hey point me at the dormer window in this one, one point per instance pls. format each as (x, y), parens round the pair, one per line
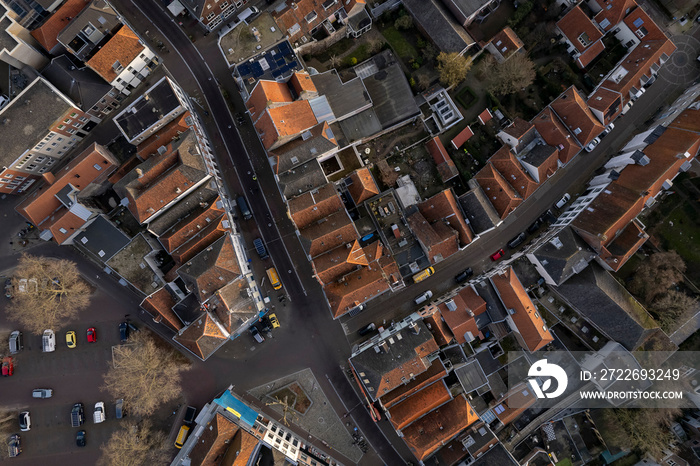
(117, 66)
(311, 16)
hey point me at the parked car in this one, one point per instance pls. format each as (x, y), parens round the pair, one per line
(517, 241)
(99, 413)
(592, 145)
(71, 340)
(367, 329)
(77, 415)
(119, 408)
(535, 226)
(683, 21)
(562, 202)
(7, 367)
(423, 297)
(123, 332)
(16, 342)
(48, 341)
(273, 320)
(42, 393)
(182, 436)
(190, 414)
(25, 421)
(91, 335)
(80, 438)
(14, 446)
(260, 248)
(256, 334)
(464, 275)
(356, 310)
(497, 255)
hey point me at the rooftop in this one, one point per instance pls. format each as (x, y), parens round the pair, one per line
(446, 167)
(345, 98)
(212, 269)
(498, 191)
(513, 172)
(80, 84)
(129, 263)
(444, 208)
(573, 111)
(314, 205)
(89, 28)
(478, 210)
(440, 25)
(234, 304)
(404, 413)
(148, 110)
(188, 206)
(471, 376)
(31, 114)
(563, 256)
(434, 374)
(327, 233)
(159, 305)
(47, 33)
(102, 239)
(361, 185)
(614, 206)
(579, 29)
(507, 42)
(202, 337)
(554, 132)
(302, 178)
(315, 143)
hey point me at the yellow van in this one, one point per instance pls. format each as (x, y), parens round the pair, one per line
(420, 276)
(274, 278)
(181, 436)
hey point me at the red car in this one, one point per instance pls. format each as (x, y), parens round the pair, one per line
(497, 255)
(91, 335)
(7, 367)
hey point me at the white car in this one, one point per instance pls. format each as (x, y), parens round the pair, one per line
(423, 297)
(99, 415)
(592, 145)
(25, 422)
(562, 202)
(48, 341)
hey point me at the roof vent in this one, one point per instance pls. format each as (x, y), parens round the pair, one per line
(556, 242)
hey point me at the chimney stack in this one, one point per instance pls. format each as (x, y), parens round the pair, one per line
(49, 178)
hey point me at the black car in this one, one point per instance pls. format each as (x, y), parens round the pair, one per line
(517, 241)
(464, 275)
(123, 332)
(14, 446)
(80, 438)
(535, 226)
(367, 329)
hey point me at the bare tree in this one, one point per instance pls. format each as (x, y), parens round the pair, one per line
(424, 81)
(404, 22)
(508, 77)
(48, 293)
(145, 374)
(674, 308)
(453, 68)
(135, 445)
(374, 45)
(645, 430)
(335, 61)
(657, 274)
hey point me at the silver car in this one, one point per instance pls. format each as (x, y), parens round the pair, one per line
(42, 393)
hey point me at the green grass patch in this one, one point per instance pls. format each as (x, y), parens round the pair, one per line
(336, 49)
(564, 462)
(466, 97)
(399, 43)
(680, 231)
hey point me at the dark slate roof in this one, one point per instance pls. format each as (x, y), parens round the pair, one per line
(102, 239)
(189, 309)
(6, 40)
(301, 179)
(362, 125)
(539, 154)
(301, 150)
(82, 85)
(189, 205)
(389, 90)
(439, 25)
(655, 134)
(564, 255)
(478, 210)
(601, 299)
(494, 307)
(344, 98)
(496, 456)
(148, 109)
(471, 376)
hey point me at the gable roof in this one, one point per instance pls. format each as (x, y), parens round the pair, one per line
(513, 172)
(612, 12)
(573, 111)
(314, 205)
(202, 337)
(485, 116)
(444, 208)
(267, 93)
(579, 29)
(478, 210)
(233, 304)
(149, 147)
(507, 42)
(397, 363)
(439, 25)
(498, 191)
(189, 226)
(211, 269)
(563, 256)
(241, 449)
(121, 49)
(344, 259)
(438, 240)
(446, 167)
(317, 142)
(434, 374)
(158, 181)
(329, 232)
(302, 84)
(93, 165)
(436, 428)
(404, 413)
(529, 322)
(214, 441)
(462, 137)
(514, 403)
(459, 312)
(285, 121)
(556, 134)
(47, 33)
(160, 306)
(595, 49)
(362, 186)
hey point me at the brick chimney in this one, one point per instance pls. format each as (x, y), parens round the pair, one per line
(49, 178)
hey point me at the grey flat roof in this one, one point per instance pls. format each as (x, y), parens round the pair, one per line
(391, 95)
(478, 210)
(27, 118)
(439, 25)
(538, 154)
(82, 85)
(344, 98)
(362, 125)
(301, 179)
(148, 109)
(102, 239)
(471, 376)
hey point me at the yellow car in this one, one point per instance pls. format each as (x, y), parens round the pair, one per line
(70, 339)
(273, 320)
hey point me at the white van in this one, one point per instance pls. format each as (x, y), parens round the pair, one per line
(99, 415)
(248, 14)
(48, 341)
(421, 298)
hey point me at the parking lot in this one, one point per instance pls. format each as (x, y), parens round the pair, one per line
(75, 375)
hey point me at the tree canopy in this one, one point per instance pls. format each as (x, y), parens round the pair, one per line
(135, 445)
(453, 68)
(508, 77)
(657, 274)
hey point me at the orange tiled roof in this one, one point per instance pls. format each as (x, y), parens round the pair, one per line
(507, 39)
(363, 185)
(443, 208)
(267, 93)
(47, 33)
(330, 266)
(501, 195)
(336, 229)
(160, 305)
(462, 137)
(164, 136)
(519, 129)
(67, 222)
(80, 172)
(212, 269)
(439, 240)
(627, 242)
(460, 321)
(579, 29)
(293, 20)
(202, 337)
(284, 122)
(527, 319)
(123, 47)
(576, 116)
(435, 372)
(652, 30)
(190, 226)
(512, 405)
(314, 205)
(608, 102)
(197, 243)
(441, 332)
(689, 119)
(446, 167)
(613, 11)
(436, 428)
(302, 84)
(485, 116)
(513, 172)
(214, 441)
(591, 52)
(404, 413)
(241, 450)
(555, 134)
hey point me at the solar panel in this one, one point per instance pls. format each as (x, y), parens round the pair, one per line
(285, 48)
(293, 65)
(244, 69)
